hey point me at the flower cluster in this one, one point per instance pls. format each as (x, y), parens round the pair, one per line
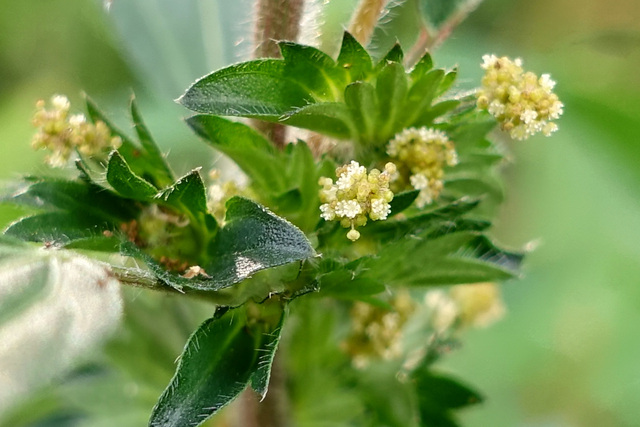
(61, 133)
(523, 103)
(377, 332)
(472, 305)
(355, 195)
(422, 155)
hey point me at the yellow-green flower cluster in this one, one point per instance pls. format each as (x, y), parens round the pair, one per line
(422, 154)
(356, 195)
(61, 133)
(523, 103)
(473, 305)
(377, 332)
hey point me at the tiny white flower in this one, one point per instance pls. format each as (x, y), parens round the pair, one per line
(419, 181)
(60, 102)
(348, 208)
(327, 212)
(528, 116)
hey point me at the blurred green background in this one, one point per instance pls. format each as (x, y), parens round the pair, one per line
(567, 353)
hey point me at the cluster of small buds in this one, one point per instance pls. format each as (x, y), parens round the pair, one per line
(61, 133)
(522, 102)
(219, 192)
(377, 332)
(422, 154)
(479, 304)
(356, 195)
(473, 305)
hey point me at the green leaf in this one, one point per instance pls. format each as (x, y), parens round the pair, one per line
(154, 157)
(266, 353)
(127, 183)
(302, 175)
(429, 115)
(314, 70)
(424, 65)
(253, 239)
(345, 284)
(395, 55)
(439, 395)
(362, 101)
(215, 366)
(421, 95)
(252, 152)
(391, 90)
(447, 82)
(83, 198)
(444, 259)
(328, 118)
(188, 195)
(402, 201)
(354, 58)
(260, 88)
(58, 227)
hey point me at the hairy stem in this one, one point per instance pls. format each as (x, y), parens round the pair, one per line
(273, 411)
(365, 18)
(275, 20)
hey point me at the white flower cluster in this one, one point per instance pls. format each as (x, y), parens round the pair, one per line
(356, 195)
(523, 103)
(61, 133)
(422, 155)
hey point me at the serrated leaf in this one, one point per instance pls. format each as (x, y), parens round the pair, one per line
(402, 201)
(302, 174)
(126, 182)
(453, 258)
(188, 195)
(362, 101)
(439, 395)
(253, 239)
(58, 227)
(215, 366)
(328, 118)
(391, 90)
(75, 196)
(424, 65)
(448, 80)
(260, 88)
(421, 95)
(429, 115)
(154, 157)
(354, 58)
(252, 152)
(314, 70)
(395, 55)
(345, 284)
(266, 353)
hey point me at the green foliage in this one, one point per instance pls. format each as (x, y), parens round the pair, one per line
(310, 90)
(275, 249)
(221, 358)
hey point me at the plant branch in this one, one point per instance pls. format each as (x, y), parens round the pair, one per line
(364, 19)
(275, 20)
(431, 39)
